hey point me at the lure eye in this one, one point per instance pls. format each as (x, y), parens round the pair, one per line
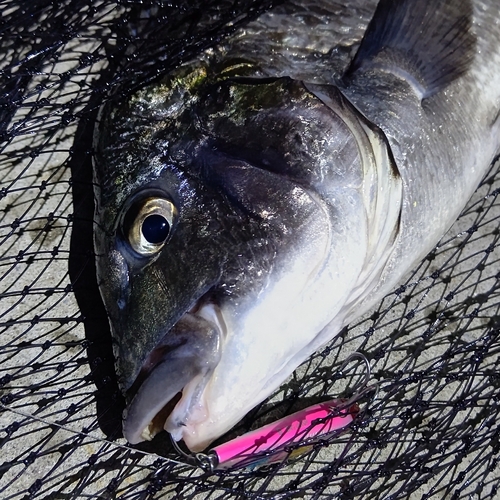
(148, 224)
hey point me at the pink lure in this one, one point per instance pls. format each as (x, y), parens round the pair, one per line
(275, 442)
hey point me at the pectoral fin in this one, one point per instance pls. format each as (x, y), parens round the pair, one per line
(429, 44)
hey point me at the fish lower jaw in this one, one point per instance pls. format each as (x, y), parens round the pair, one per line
(172, 391)
(175, 414)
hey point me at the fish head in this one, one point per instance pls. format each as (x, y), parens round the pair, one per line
(215, 248)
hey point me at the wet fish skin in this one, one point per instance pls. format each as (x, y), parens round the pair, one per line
(276, 246)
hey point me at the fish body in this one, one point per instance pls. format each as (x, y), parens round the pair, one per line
(258, 199)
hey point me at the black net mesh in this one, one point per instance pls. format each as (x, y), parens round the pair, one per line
(433, 344)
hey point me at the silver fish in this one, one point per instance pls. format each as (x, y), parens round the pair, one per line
(260, 198)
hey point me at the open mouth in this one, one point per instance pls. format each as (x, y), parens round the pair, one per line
(169, 387)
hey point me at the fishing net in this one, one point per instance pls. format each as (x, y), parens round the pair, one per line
(432, 344)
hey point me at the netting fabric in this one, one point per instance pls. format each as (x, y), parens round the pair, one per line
(432, 344)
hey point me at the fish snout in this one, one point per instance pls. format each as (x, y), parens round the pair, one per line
(181, 363)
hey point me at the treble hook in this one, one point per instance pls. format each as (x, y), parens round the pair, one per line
(362, 387)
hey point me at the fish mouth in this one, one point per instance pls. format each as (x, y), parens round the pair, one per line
(169, 388)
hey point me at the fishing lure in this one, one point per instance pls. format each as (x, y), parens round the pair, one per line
(289, 437)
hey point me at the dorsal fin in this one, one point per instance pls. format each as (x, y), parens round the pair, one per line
(429, 44)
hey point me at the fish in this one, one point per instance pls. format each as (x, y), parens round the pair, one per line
(256, 200)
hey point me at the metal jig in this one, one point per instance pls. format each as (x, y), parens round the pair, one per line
(288, 437)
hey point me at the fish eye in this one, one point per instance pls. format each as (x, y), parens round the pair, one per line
(148, 224)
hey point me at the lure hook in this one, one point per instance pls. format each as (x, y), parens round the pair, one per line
(207, 462)
(368, 373)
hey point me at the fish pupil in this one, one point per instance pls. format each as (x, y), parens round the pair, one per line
(155, 228)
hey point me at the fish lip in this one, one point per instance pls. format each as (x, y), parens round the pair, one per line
(187, 362)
